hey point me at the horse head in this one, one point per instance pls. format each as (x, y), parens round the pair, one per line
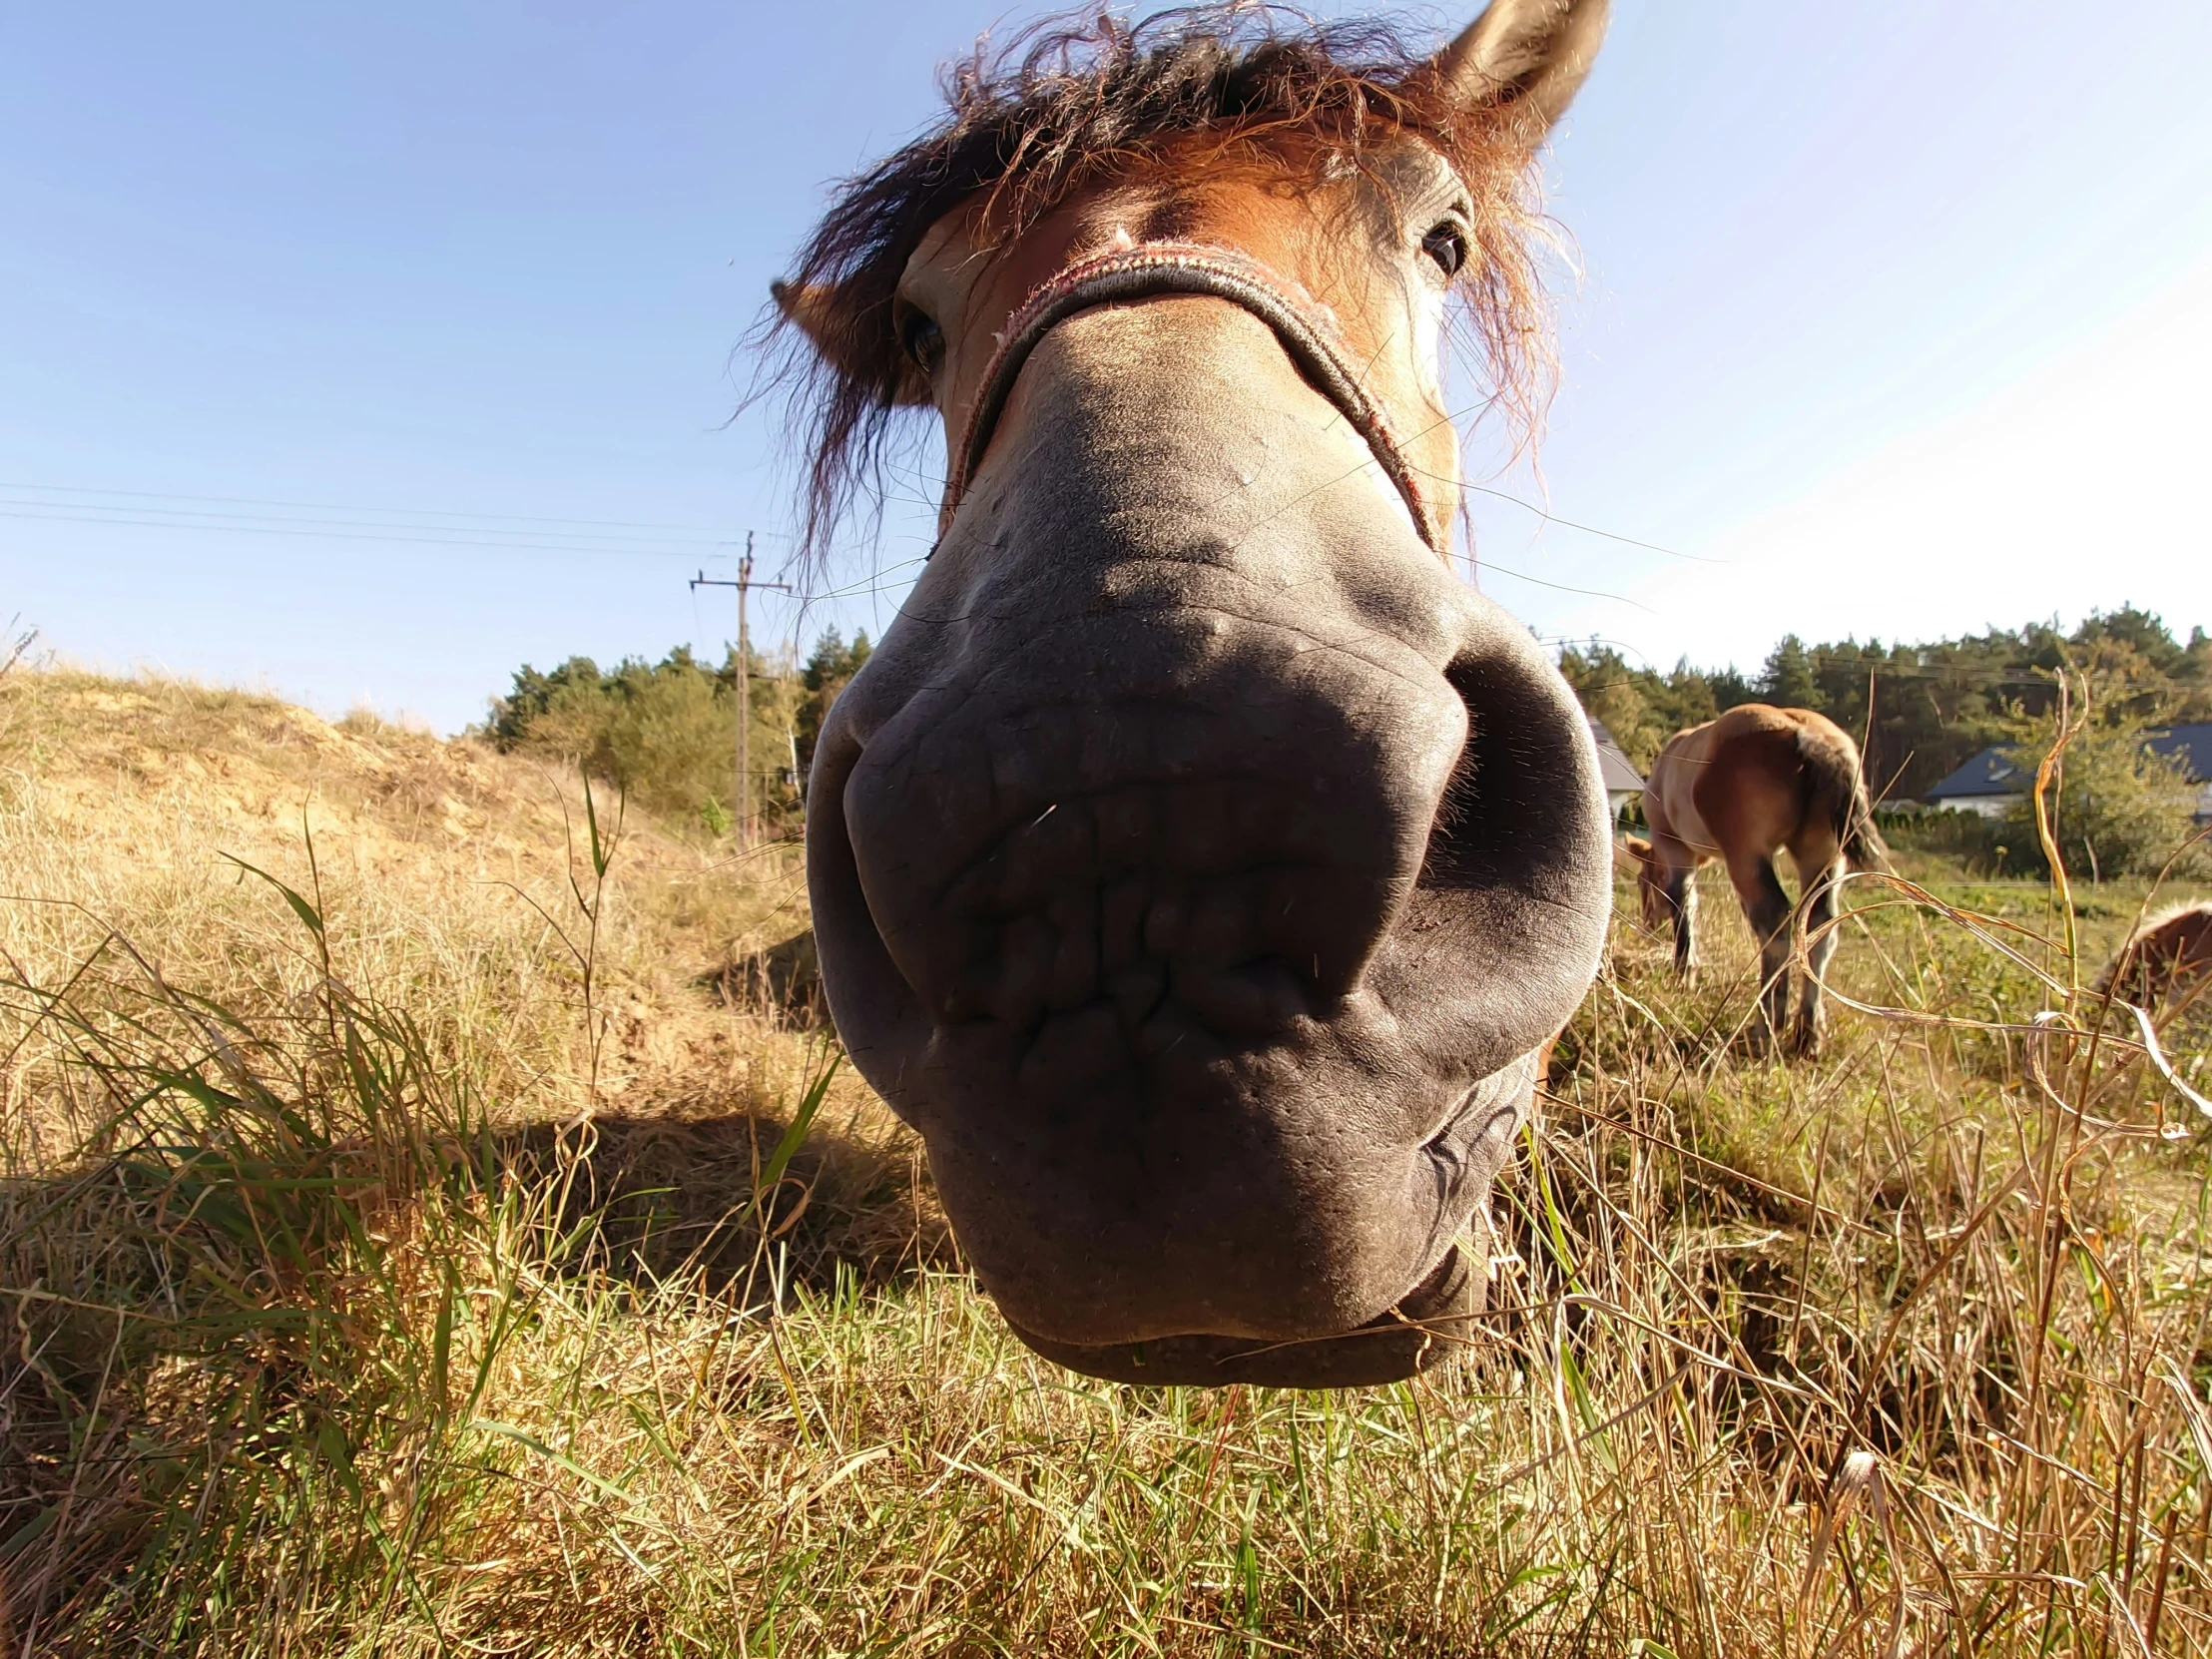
(1633, 855)
(1197, 864)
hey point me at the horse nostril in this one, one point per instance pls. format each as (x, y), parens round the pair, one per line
(1517, 792)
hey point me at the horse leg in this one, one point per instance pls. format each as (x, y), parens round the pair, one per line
(1681, 893)
(1767, 908)
(1822, 887)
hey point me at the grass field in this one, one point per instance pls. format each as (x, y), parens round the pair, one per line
(417, 1238)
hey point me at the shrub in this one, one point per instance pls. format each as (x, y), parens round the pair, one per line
(2117, 808)
(827, 673)
(1980, 843)
(662, 732)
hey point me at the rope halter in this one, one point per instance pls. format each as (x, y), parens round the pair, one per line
(1147, 271)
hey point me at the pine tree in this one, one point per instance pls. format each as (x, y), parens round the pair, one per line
(1788, 681)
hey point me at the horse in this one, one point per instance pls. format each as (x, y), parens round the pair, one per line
(1197, 864)
(1741, 789)
(2168, 958)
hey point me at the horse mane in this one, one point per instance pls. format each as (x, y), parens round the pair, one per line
(1086, 96)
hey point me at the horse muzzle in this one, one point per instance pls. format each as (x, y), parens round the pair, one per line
(1198, 867)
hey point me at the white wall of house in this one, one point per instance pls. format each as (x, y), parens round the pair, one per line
(1996, 806)
(1982, 806)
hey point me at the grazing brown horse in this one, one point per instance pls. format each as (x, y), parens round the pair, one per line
(1741, 789)
(2167, 958)
(1197, 863)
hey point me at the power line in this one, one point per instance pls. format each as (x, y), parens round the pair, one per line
(72, 513)
(343, 507)
(402, 526)
(1492, 566)
(116, 500)
(391, 536)
(1587, 529)
(413, 537)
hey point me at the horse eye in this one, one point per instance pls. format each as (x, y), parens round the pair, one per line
(922, 340)
(1447, 245)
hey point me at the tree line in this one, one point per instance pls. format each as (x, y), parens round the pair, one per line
(665, 733)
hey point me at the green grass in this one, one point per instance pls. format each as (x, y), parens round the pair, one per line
(329, 1325)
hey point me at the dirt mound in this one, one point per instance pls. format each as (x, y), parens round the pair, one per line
(453, 878)
(146, 823)
(98, 746)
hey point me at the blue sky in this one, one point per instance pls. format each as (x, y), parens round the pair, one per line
(1895, 315)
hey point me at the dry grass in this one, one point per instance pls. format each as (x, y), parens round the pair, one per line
(370, 1287)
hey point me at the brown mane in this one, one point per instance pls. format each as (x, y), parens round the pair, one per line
(1077, 99)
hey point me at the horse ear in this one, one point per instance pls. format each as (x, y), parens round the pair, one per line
(1526, 57)
(808, 309)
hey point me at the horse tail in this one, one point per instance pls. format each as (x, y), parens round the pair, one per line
(1838, 790)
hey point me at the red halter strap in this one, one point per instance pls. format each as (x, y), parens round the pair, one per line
(1147, 271)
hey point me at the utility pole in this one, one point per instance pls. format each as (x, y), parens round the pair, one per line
(741, 797)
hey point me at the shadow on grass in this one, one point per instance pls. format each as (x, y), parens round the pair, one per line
(652, 1198)
(282, 1267)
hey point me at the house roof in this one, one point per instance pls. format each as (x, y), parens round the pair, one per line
(1997, 772)
(1621, 777)
(1993, 772)
(2191, 744)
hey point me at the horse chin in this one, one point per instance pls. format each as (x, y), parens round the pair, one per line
(1429, 1323)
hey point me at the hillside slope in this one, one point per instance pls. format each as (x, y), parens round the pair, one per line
(443, 868)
